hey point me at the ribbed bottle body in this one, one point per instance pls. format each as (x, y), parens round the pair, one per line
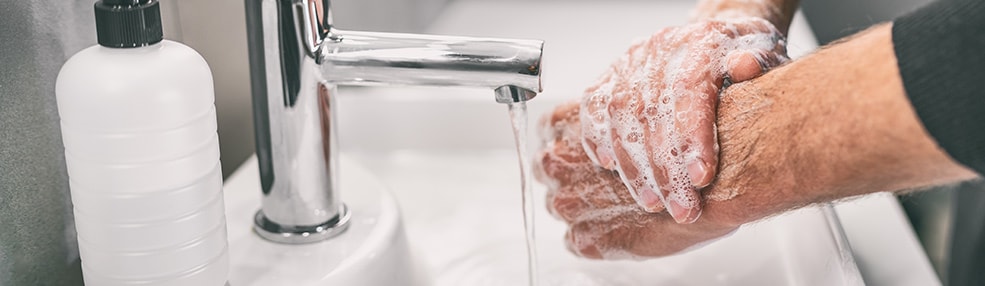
(139, 129)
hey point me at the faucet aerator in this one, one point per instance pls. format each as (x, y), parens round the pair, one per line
(512, 94)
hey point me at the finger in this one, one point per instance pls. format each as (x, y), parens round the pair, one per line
(582, 240)
(628, 130)
(575, 185)
(616, 193)
(594, 117)
(681, 135)
(552, 125)
(742, 66)
(568, 204)
(554, 168)
(562, 151)
(595, 195)
(694, 122)
(702, 149)
(561, 176)
(564, 159)
(680, 197)
(759, 39)
(631, 155)
(700, 143)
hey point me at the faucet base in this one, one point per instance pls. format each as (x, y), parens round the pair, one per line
(373, 250)
(275, 232)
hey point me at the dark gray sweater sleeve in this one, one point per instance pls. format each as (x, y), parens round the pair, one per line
(940, 50)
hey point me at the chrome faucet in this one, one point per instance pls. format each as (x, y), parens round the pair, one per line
(296, 60)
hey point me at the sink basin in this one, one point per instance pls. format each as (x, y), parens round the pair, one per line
(464, 227)
(464, 224)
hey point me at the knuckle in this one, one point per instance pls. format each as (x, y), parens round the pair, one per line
(567, 209)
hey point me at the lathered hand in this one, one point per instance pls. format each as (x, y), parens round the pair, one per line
(651, 117)
(604, 220)
(785, 144)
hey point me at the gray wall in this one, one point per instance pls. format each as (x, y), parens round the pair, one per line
(37, 234)
(833, 19)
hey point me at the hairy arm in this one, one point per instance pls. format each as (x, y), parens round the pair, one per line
(832, 125)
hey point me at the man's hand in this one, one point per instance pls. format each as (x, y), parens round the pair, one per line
(651, 117)
(832, 125)
(604, 220)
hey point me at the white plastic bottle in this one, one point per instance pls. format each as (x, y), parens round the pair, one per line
(139, 128)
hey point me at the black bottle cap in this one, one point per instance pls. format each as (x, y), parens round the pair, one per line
(128, 23)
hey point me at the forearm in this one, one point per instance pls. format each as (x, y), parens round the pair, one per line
(777, 12)
(832, 125)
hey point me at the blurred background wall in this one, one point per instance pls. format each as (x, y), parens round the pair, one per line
(833, 19)
(37, 231)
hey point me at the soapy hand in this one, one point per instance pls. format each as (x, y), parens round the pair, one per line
(604, 220)
(651, 117)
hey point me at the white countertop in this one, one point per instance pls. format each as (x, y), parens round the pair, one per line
(582, 38)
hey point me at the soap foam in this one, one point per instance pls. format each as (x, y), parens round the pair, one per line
(652, 102)
(583, 194)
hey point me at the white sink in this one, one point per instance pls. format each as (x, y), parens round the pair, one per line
(445, 155)
(464, 227)
(464, 223)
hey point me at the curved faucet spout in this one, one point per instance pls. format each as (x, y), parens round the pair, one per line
(409, 59)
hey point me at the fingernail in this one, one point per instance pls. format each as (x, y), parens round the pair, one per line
(681, 214)
(651, 202)
(698, 172)
(605, 160)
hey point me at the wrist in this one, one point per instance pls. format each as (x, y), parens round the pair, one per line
(832, 125)
(757, 174)
(786, 143)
